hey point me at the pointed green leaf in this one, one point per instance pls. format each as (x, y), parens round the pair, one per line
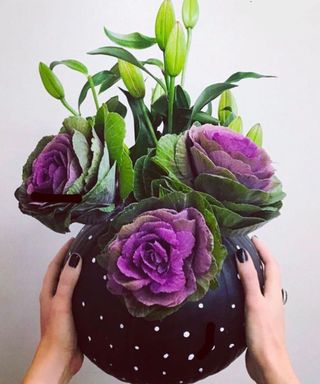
(210, 93)
(246, 75)
(126, 175)
(114, 134)
(72, 64)
(156, 62)
(133, 40)
(114, 105)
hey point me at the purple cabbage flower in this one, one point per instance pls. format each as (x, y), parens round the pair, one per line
(220, 151)
(159, 257)
(56, 168)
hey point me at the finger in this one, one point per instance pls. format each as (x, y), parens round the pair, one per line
(248, 276)
(272, 285)
(67, 282)
(51, 278)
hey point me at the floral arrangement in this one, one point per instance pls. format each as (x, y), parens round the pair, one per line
(189, 179)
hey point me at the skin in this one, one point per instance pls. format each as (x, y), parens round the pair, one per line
(58, 357)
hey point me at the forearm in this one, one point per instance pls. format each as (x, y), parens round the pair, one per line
(47, 367)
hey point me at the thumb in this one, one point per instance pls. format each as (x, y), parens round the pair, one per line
(68, 279)
(248, 276)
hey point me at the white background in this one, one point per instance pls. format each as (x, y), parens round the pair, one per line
(273, 37)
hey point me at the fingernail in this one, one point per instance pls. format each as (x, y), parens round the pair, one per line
(255, 236)
(242, 255)
(74, 260)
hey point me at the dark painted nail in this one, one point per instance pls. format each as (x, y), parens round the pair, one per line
(74, 260)
(242, 255)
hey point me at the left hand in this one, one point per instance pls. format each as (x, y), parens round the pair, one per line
(58, 357)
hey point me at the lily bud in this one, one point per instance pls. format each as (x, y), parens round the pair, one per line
(51, 82)
(256, 134)
(190, 13)
(157, 92)
(227, 107)
(236, 125)
(132, 78)
(176, 51)
(164, 23)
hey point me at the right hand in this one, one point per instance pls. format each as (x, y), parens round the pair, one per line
(267, 360)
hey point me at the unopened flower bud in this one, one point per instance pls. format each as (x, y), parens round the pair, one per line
(236, 125)
(133, 79)
(164, 23)
(190, 13)
(256, 134)
(227, 107)
(176, 51)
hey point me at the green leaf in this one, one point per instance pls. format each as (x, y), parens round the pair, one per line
(97, 151)
(72, 64)
(182, 98)
(210, 93)
(227, 108)
(165, 154)
(111, 80)
(114, 105)
(81, 149)
(126, 175)
(246, 75)
(156, 62)
(114, 134)
(134, 40)
(143, 139)
(98, 78)
(205, 118)
(76, 123)
(51, 82)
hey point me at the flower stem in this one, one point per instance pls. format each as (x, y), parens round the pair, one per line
(148, 122)
(189, 39)
(68, 106)
(171, 103)
(94, 93)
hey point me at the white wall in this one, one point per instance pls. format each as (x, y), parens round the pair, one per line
(273, 37)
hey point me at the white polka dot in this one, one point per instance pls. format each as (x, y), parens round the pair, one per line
(238, 276)
(136, 368)
(231, 346)
(83, 304)
(233, 306)
(191, 357)
(93, 260)
(136, 347)
(94, 359)
(89, 338)
(261, 267)
(214, 347)
(186, 334)
(104, 277)
(181, 382)
(111, 346)
(200, 305)
(164, 373)
(121, 326)
(90, 237)
(221, 329)
(200, 370)
(110, 364)
(156, 328)
(166, 355)
(101, 317)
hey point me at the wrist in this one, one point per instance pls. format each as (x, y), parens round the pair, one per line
(277, 369)
(48, 366)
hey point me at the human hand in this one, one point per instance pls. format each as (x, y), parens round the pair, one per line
(58, 357)
(267, 360)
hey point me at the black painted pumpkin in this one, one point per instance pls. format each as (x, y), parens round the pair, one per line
(199, 340)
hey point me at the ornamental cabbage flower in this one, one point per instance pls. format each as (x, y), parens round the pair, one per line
(221, 151)
(70, 177)
(162, 257)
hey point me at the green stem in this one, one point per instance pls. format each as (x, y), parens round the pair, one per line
(94, 93)
(189, 39)
(171, 103)
(68, 106)
(148, 122)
